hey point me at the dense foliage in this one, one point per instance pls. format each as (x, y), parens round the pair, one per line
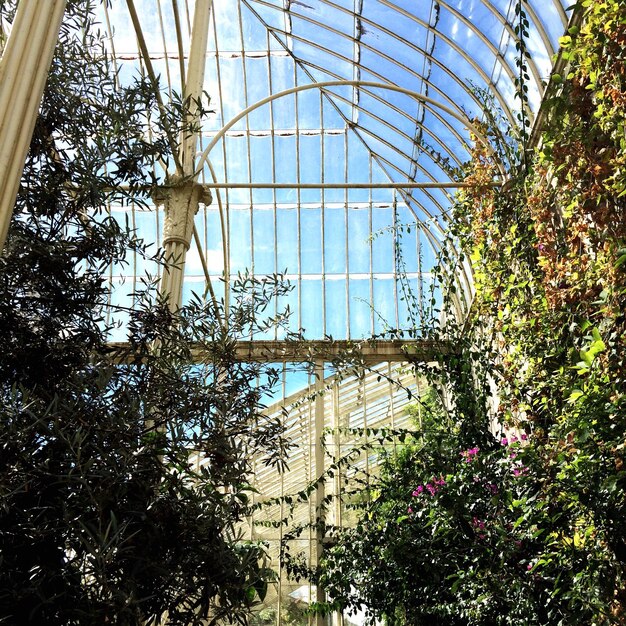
(526, 526)
(107, 514)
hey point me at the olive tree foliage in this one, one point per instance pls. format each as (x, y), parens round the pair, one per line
(106, 513)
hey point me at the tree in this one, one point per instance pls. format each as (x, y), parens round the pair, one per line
(123, 474)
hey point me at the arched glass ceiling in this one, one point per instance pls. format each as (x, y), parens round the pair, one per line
(335, 243)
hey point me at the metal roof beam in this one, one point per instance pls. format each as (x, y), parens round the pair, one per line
(389, 185)
(369, 351)
(24, 68)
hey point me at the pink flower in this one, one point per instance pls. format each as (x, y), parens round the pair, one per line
(504, 441)
(529, 566)
(431, 489)
(477, 523)
(524, 436)
(418, 491)
(470, 455)
(409, 510)
(492, 489)
(439, 481)
(513, 455)
(519, 471)
(514, 439)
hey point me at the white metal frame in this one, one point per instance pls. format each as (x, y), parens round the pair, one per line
(24, 68)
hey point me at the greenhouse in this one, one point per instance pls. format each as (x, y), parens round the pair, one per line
(312, 312)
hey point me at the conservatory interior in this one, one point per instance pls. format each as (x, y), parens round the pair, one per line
(312, 312)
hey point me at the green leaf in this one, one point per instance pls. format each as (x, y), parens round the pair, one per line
(575, 395)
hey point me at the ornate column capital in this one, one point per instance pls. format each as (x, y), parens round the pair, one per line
(180, 199)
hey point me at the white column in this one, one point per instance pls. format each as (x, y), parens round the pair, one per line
(181, 196)
(337, 616)
(194, 80)
(24, 68)
(320, 467)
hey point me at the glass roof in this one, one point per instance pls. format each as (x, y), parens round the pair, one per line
(337, 245)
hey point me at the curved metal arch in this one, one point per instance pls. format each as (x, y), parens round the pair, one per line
(530, 11)
(427, 229)
(391, 106)
(446, 152)
(347, 83)
(350, 61)
(376, 157)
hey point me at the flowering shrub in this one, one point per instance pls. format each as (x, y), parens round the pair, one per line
(459, 547)
(472, 535)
